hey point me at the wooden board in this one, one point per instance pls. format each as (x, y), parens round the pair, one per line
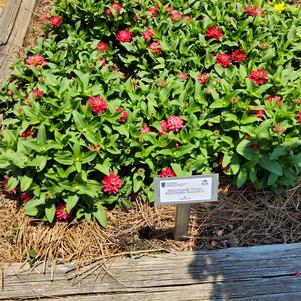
(14, 23)
(255, 273)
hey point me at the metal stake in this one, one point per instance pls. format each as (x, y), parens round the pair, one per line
(182, 221)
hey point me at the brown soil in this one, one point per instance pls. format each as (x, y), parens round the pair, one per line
(240, 218)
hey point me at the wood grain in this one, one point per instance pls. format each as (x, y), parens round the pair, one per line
(255, 273)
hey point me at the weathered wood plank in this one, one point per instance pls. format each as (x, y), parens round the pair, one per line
(200, 275)
(18, 29)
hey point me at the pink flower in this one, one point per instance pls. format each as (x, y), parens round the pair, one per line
(124, 115)
(203, 78)
(214, 33)
(153, 11)
(258, 76)
(259, 113)
(174, 123)
(98, 104)
(223, 59)
(238, 56)
(116, 7)
(164, 128)
(253, 11)
(4, 186)
(183, 76)
(25, 197)
(56, 21)
(28, 133)
(189, 18)
(102, 47)
(36, 60)
(103, 62)
(112, 183)
(38, 93)
(299, 117)
(124, 36)
(155, 47)
(146, 129)
(167, 173)
(148, 34)
(176, 16)
(61, 212)
(276, 98)
(169, 9)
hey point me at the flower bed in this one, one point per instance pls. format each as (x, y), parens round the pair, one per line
(125, 92)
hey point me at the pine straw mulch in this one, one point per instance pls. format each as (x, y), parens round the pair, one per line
(241, 217)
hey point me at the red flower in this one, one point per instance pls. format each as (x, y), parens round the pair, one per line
(102, 46)
(116, 7)
(238, 56)
(25, 197)
(223, 59)
(56, 21)
(220, 163)
(36, 60)
(124, 36)
(146, 129)
(28, 133)
(189, 18)
(155, 47)
(299, 117)
(103, 62)
(254, 145)
(153, 11)
(98, 104)
(124, 115)
(276, 98)
(167, 173)
(258, 76)
(148, 34)
(38, 93)
(164, 128)
(112, 183)
(203, 78)
(4, 186)
(183, 76)
(214, 33)
(259, 113)
(253, 11)
(61, 212)
(174, 123)
(176, 16)
(169, 9)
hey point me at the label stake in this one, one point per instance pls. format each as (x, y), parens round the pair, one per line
(182, 221)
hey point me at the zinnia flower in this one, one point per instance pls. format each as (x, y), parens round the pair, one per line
(203, 78)
(36, 60)
(238, 56)
(112, 183)
(148, 34)
(38, 93)
(214, 32)
(174, 123)
(279, 7)
(4, 186)
(169, 9)
(163, 127)
(61, 212)
(223, 59)
(253, 11)
(276, 98)
(124, 36)
(116, 7)
(183, 76)
(25, 197)
(98, 104)
(28, 133)
(259, 113)
(124, 115)
(167, 173)
(258, 76)
(153, 11)
(102, 46)
(146, 129)
(176, 16)
(56, 21)
(220, 163)
(188, 18)
(299, 117)
(155, 47)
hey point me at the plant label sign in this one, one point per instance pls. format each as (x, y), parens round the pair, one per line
(186, 190)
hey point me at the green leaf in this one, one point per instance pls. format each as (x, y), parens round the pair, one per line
(25, 183)
(271, 165)
(79, 121)
(241, 177)
(50, 211)
(12, 183)
(177, 169)
(244, 149)
(71, 202)
(104, 168)
(42, 139)
(278, 152)
(101, 216)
